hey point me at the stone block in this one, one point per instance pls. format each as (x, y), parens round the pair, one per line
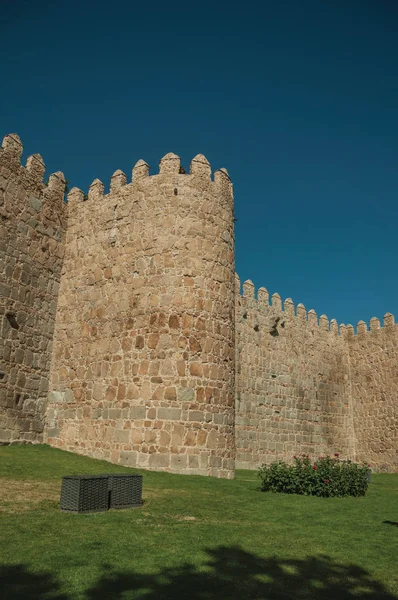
(137, 412)
(186, 394)
(128, 459)
(178, 462)
(35, 203)
(196, 415)
(169, 414)
(142, 460)
(159, 461)
(52, 432)
(122, 436)
(193, 461)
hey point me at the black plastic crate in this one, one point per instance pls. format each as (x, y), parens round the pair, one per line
(125, 491)
(84, 493)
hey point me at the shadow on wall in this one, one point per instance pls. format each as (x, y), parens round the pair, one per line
(230, 574)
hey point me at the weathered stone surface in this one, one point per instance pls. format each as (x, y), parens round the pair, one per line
(144, 315)
(308, 388)
(134, 304)
(32, 223)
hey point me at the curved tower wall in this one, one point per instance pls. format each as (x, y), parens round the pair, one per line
(143, 363)
(137, 322)
(32, 224)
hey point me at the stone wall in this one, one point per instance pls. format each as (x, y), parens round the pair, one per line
(32, 220)
(307, 386)
(139, 327)
(374, 377)
(143, 368)
(293, 393)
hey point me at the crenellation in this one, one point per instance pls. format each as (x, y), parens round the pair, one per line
(301, 314)
(323, 323)
(389, 320)
(12, 147)
(312, 318)
(374, 324)
(36, 167)
(334, 327)
(200, 167)
(126, 335)
(170, 164)
(223, 182)
(248, 289)
(56, 187)
(118, 180)
(288, 307)
(140, 170)
(96, 190)
(263, 296)
(276, 301)
(75, 196)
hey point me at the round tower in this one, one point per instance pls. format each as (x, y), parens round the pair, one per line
(143, 361)
(182, 306)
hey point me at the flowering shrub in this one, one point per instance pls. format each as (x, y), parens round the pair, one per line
(327, 476)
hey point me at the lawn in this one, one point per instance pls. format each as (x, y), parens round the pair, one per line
(194, 538)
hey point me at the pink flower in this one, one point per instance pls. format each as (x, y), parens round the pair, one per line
(326, 480)
(315, 467)
(369, 466)
(337, 454)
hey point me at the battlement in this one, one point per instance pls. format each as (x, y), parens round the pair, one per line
(308, 318)
(144, 321)
(32, 174)
(307, 384)
(125, 332)
(200, 175)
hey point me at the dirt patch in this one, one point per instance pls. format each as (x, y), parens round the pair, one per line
(19, 496)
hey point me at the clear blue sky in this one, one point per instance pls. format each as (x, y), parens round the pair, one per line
(297, 99)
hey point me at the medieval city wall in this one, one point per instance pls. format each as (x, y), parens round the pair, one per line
(32, 221)
(118, 314)
(292, 389)
(305, 385)
(143, 364)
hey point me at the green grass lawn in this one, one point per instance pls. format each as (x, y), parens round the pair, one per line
(194, 537)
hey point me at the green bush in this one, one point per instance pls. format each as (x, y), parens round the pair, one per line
(327, 476)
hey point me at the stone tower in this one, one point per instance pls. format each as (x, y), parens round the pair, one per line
(143, 362)
(117, 319)
(32, 223)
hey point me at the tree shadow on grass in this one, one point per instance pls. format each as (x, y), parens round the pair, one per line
(17, 583)
(230, 574)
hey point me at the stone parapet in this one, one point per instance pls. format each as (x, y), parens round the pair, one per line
(118, 315)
